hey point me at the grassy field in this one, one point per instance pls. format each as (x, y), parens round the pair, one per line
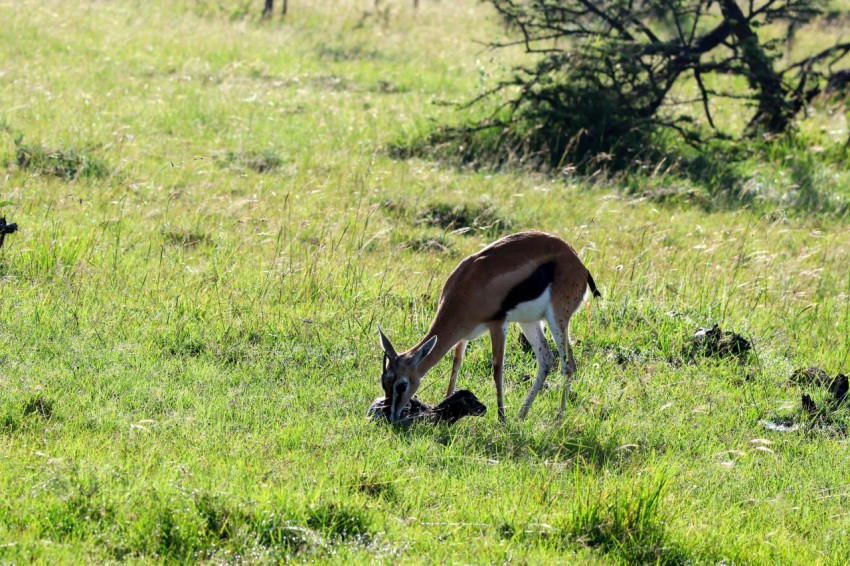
(211, 228)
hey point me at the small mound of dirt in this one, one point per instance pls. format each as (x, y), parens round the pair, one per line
(66, 164)
(465, 218)
(40, 406)
(185, 238)
(439, 244)
(623, 355)
(264, 161)
(810, 376)
(809, 404)
(838, 388)
(822, 411)
(717, 343)
(459, 404)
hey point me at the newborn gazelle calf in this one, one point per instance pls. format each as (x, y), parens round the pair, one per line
(525, 278)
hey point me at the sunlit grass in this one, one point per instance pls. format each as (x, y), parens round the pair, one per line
(188, 342)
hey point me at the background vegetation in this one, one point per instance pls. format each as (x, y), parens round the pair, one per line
(630, 79)
(212, 219)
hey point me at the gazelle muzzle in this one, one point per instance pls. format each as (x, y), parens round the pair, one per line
(399, 399)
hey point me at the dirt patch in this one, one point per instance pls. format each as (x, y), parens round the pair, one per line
(341, 53)
(439, 244)
(716, 343)
(185, 238)
(377, 488)
(387, 87)
(331, 82)
(66, 164)
(674, 196)
(781, 425)
(465, 218)
(40, 406)
(623, 355)
(264, 161)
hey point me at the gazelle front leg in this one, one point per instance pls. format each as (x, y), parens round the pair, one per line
(460, 348)
(498, 335)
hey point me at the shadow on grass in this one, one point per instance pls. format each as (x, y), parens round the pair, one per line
(626, 522)
(554, 444)
(467, 218)
(760, 175)
(15, 416)
(725, 174)
(178, 525)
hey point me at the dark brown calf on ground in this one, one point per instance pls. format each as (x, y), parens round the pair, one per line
(6, 229)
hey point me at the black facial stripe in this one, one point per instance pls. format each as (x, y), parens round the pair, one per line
(529, 289)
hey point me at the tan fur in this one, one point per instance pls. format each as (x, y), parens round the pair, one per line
(471, 296)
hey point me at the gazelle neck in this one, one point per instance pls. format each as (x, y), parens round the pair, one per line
(448, 333)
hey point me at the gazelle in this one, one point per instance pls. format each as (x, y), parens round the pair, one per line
(526, 278)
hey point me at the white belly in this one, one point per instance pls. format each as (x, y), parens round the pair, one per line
(531, 311)
(476, 332)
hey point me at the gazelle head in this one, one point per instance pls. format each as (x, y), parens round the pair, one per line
(401, 376)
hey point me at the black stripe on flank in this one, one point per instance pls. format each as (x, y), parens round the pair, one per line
(531, 288)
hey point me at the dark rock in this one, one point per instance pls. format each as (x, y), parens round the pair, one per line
(459, 404)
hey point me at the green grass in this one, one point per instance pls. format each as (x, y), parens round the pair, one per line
(188, 342)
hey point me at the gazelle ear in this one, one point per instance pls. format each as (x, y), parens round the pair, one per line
(423, 352)
(387, 346)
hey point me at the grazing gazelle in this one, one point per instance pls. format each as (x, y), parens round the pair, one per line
(526, 278)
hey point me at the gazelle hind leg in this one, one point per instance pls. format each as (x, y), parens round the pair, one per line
(533, 331)
(568, 376)
(559, 326)
(460, 348)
